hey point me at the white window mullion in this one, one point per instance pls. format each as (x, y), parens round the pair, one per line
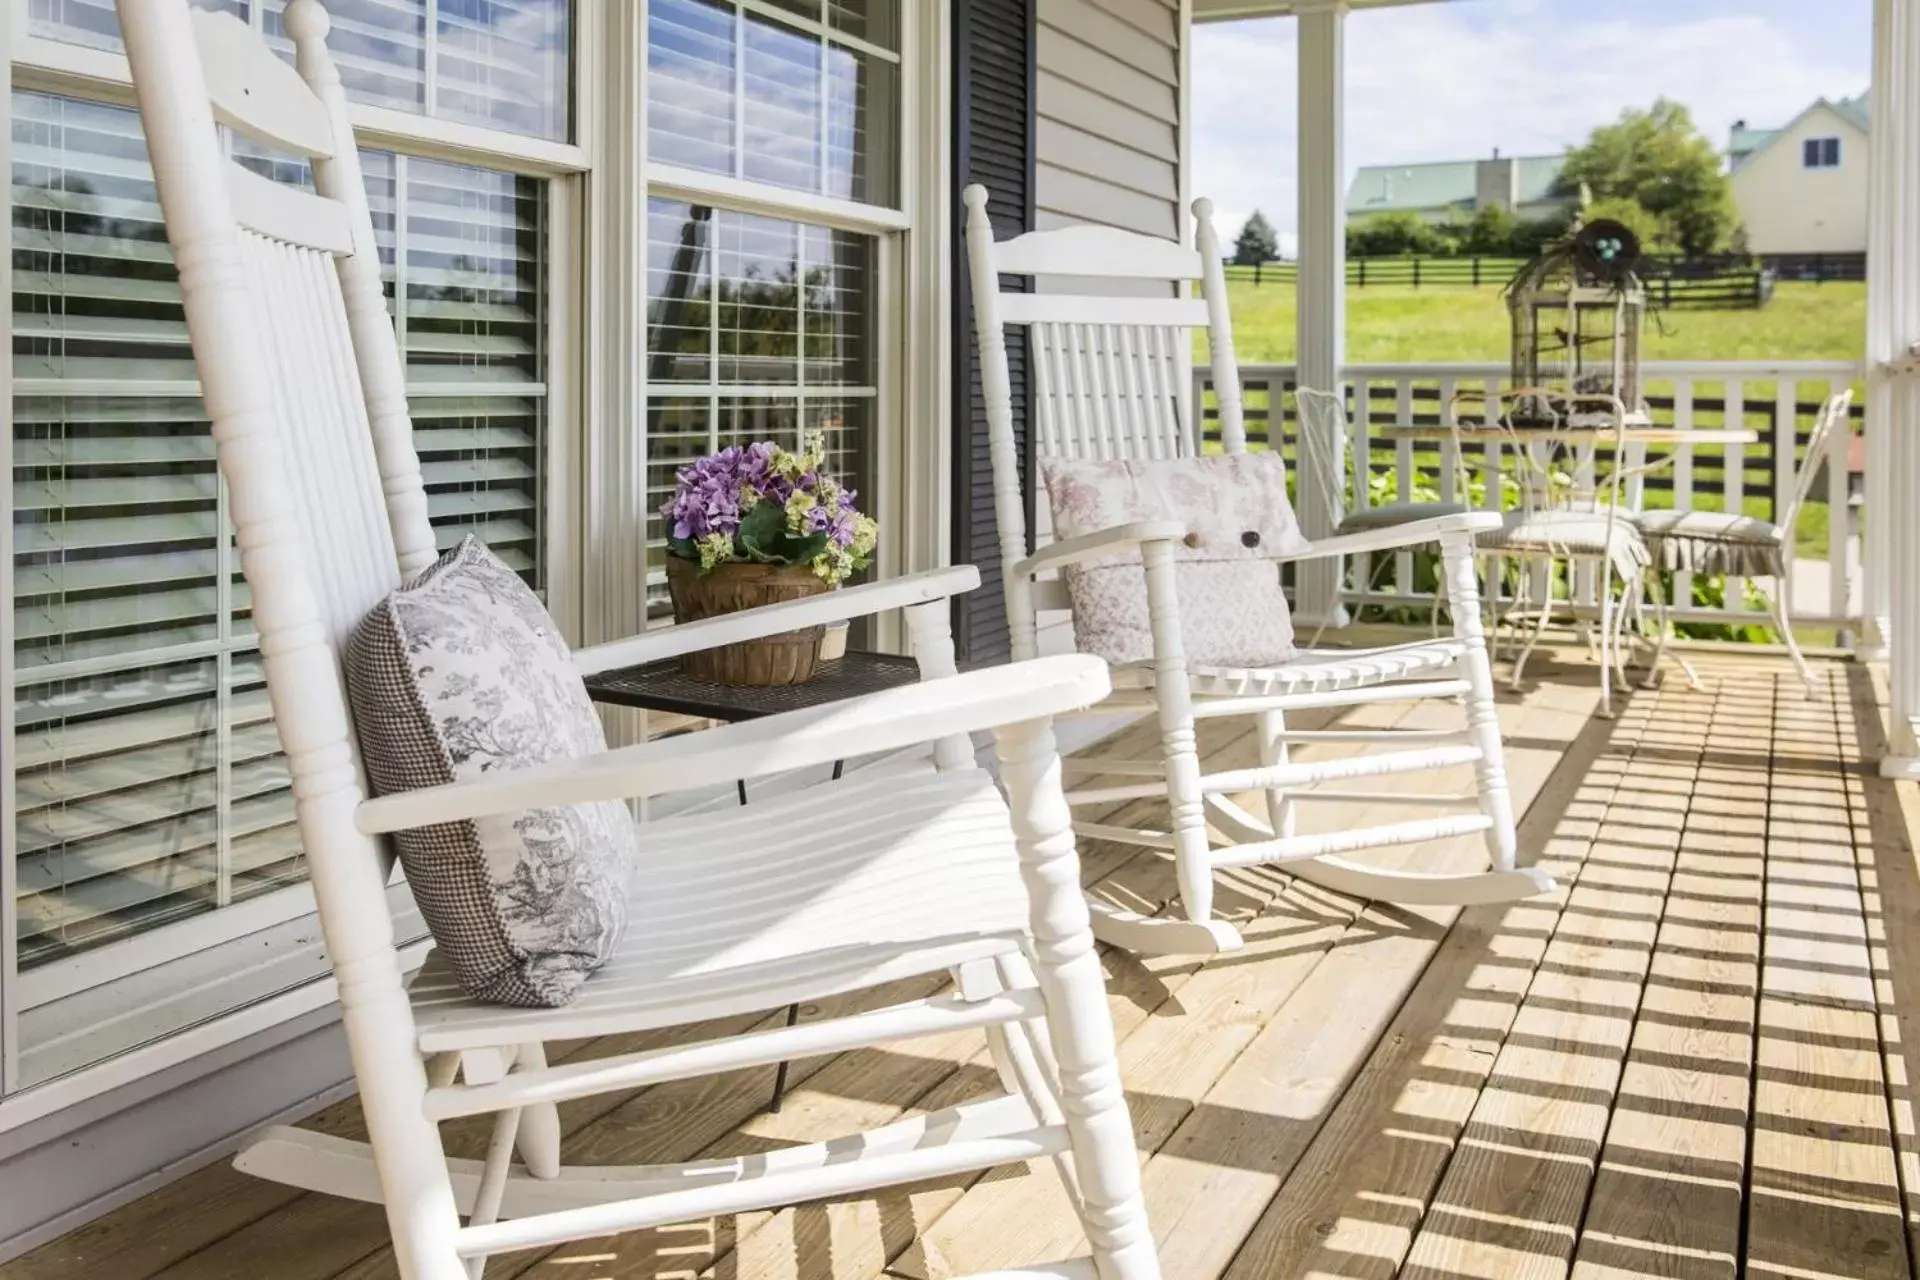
(822, 133)
(400, 209)
(430, 69)
(9, 915)
(800, 327)
(739, 94)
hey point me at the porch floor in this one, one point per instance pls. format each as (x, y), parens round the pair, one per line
(1690, 1062)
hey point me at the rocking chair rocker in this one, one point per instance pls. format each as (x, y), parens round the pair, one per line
(925, 875)
(1108, 383)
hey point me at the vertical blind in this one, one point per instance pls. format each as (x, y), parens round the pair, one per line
(500, 64)
(762, 328)
(149, 781)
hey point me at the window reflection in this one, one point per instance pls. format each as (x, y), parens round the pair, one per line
(500, 64)
(798, 104)
(762, 327)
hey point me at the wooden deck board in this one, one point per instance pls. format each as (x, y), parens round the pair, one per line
(1690, 1063)
(1824, 1187)
(1511, 1200)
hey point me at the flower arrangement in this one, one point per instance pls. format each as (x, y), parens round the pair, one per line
(761, 504)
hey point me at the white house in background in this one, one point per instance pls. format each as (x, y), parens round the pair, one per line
(1525, 186)
(1803, 188)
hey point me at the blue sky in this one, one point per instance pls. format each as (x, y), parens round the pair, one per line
(1456, 80)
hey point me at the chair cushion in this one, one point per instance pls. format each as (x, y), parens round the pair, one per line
(458, 674)
(1715, 542)
(1237, 515)
(1397, 513)
(1570, 533)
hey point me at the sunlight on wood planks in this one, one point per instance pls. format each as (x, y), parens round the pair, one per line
(1688, 1063)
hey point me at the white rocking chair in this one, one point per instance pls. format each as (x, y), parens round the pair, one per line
(835, 890)
(1108, 383)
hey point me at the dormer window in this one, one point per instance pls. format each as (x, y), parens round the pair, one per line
(1820, 153)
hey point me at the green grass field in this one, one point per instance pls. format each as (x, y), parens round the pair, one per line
(1393, 324)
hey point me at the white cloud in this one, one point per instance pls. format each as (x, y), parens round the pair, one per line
(1447, 82)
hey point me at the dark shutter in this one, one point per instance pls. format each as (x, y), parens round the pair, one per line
(993, 145)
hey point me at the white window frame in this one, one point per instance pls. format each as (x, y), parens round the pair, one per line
(1817, 147)
(50, 66)
(912, 263)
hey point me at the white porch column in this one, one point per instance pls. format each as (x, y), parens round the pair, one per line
(1893, 329)
(1321, 316)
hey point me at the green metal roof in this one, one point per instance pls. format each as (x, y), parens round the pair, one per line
(1857, 110)
(1443, 184)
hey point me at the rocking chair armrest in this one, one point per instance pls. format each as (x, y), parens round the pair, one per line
(1411, 534)
(1104, 542)
(879, 722)
(772, 619)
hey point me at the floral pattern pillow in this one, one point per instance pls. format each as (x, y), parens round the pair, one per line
(462, 673)
(1235, 507)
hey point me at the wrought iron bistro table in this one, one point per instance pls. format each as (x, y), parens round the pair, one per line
(662, 686)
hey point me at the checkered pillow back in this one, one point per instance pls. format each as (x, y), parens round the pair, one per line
(462, 673)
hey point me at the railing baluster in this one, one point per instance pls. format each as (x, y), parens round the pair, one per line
(1360, 567)
(1449, 456)
(1842, 563)
(1734, 480)
(1683, 482)
(1403, 480)
(1786, 442)
(1491, 497)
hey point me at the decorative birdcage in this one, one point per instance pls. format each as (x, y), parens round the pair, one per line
(1577, 311)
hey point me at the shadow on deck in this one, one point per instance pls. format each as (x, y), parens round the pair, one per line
(1689, 1062)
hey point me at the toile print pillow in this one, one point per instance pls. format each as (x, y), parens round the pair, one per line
(1238, 518)
(456, 675)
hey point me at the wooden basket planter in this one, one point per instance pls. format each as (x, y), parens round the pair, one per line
(787, 658)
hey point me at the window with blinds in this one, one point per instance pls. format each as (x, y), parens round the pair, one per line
(808, 102)
(149, 782)
(500, 64)
(758, 329)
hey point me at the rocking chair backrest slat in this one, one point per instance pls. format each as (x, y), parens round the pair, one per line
(1820, 443)
(255, 93)
(280, 212)
(1111, 375)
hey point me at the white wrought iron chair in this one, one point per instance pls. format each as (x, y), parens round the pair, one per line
(835, 890)
(1320, 419)
(1740, 545)
(1109, 383)
(1569, 514)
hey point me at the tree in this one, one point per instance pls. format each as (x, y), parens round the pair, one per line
(1258, 242)
(1659, 161)
(1629, 213)
(1385, 235)
(1489, 232)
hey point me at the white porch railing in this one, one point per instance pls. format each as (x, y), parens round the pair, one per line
(1776, 399)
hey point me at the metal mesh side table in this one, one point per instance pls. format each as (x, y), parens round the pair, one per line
(661, 686)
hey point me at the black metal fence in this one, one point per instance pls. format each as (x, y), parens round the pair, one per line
(1722, 282)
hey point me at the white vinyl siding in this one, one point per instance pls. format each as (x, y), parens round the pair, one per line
(1107, 140)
